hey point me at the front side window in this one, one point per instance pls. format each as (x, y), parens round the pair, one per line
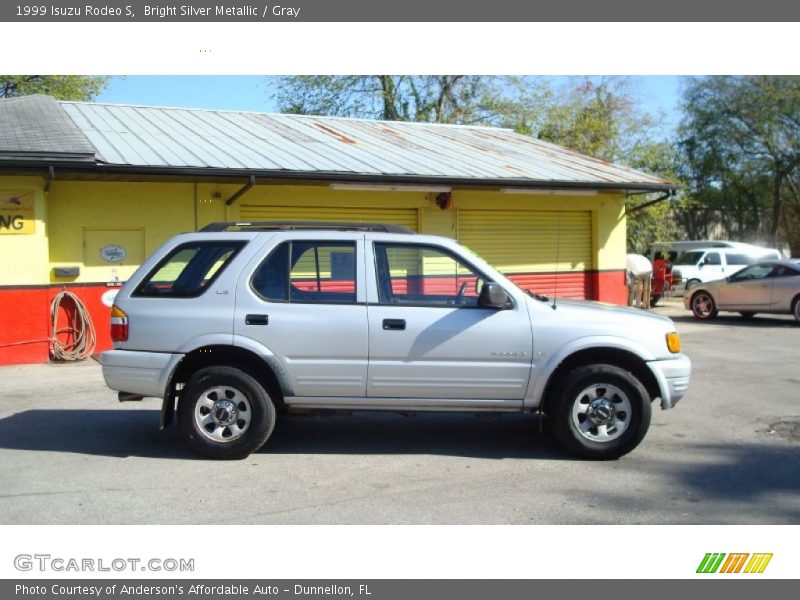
(754, 272)
(188, 270)
(308, 271)
(712, 258)
(410, 274)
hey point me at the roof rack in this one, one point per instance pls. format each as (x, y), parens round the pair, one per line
(302, 225)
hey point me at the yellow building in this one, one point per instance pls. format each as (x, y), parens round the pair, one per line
(87, 191)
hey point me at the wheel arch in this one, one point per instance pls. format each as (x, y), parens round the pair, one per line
(262, 368)
(618, 357)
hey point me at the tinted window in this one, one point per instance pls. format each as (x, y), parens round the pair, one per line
(712, 258)
(271, 280)
(308, 272)
(688, 258)
(188, 270)
(409, 274)
(738, 259)
(754, 272)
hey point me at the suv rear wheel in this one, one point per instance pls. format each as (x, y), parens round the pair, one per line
(224, 413)
(600, 412)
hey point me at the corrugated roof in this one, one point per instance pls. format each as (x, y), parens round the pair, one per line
(156, 138)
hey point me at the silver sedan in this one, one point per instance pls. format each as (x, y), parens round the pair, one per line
(766, 287)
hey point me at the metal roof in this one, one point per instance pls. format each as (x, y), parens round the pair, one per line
(181, 140)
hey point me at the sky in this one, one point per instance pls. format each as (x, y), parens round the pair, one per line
(659, 94)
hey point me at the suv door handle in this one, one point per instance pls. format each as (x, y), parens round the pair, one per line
(394, 324)
(256, 320)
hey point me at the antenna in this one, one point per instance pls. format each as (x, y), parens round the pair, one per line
(558, 250)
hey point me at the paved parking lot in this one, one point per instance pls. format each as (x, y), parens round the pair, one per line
(729, 453)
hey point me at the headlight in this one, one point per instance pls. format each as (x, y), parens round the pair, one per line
(674, 342)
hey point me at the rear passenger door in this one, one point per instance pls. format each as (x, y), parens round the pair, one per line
(304, 300)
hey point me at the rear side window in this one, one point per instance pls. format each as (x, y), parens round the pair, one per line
(188, 270)
(738, 259)
(308, 271)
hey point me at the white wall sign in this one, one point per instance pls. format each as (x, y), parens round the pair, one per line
(113, 253)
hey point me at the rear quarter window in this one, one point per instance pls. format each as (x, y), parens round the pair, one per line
(188, 270)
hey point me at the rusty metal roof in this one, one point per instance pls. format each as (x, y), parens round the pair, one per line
(264, 145)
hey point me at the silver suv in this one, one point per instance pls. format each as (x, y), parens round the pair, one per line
(241, 321)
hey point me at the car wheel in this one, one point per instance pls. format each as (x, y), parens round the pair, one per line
(703, 306)
(224, 413)
(796, 309)
(747, 315)
(654, 299)
(600, 412)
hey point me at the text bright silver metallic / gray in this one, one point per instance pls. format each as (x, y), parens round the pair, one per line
(235, 328)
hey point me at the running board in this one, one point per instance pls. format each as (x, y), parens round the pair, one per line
(403, 404)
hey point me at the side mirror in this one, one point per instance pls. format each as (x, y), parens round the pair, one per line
(493, 296)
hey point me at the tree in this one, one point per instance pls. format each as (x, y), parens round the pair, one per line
(741, 138)
(601, 117)
(61, 87)
(595, 116)
(461, 99)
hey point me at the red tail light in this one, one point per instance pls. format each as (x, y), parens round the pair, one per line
(119, 324)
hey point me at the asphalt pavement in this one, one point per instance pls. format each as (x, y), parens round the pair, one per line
(729, 453)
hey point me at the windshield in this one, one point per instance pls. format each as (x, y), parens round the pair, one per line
(689, 258)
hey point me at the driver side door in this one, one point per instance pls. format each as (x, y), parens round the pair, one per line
(749, 288)
(428, 336)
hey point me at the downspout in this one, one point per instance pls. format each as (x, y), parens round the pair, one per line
(48, 182)
(665, 196)
(251, 181)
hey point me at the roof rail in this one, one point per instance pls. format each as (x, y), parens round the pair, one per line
(302, 225)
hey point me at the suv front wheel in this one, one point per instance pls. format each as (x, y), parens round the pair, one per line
(224, 413)
(600, 412)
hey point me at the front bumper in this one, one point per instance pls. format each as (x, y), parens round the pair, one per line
(673, 375)
(142, 373)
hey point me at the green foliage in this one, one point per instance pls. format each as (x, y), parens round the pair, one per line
(595, 116)
(462, 99)
(741, 139)
(61, 87)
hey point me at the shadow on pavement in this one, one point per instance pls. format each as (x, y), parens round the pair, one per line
(761, 480)
(114, 433)
(124, 433)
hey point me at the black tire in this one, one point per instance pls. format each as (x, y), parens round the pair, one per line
(796, 309)
(654, 299)
(570, 396)
(703, 305)
(218, 385)
(747, 315)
